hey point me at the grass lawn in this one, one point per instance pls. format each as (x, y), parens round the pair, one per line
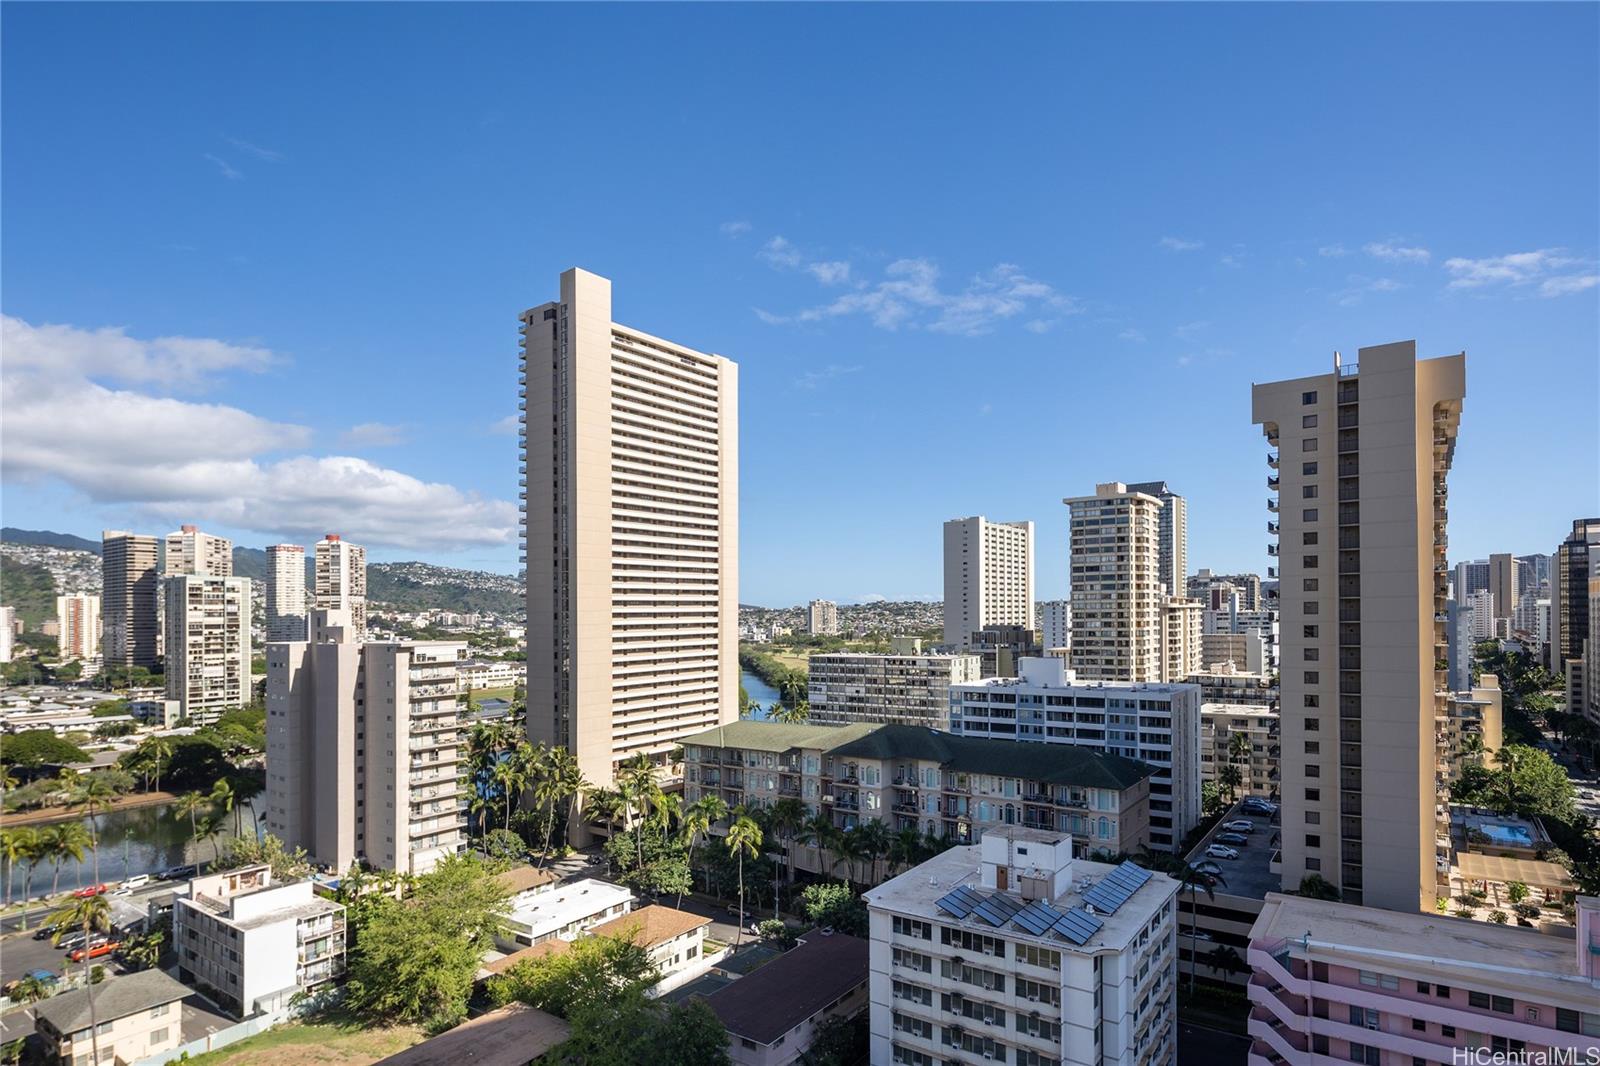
(791, 660)
(342, 1043)
(481, 694)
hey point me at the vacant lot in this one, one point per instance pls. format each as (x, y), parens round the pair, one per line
(321, 1043)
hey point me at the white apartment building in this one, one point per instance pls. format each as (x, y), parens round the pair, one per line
(488, 673)
(1481, 606)
(563, 912)
(8, 632)
(1157, 724)
(988, 577)
(1360, 459)
(1117, 592)
(906, 687)
(364, 744)
(78, 627)
(1532, 617)
(630, 456)
(191, 552)
(286, 593)
(822, 618)
(253, 944)
(1173, 536)
(207, 644)
(340, 575)
(1258, 768)
(1246, 651)
(1181, 646)
(1055, 625)
(1012, 951)
(129, 598)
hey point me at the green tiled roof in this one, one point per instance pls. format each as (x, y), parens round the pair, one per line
(1051, 764)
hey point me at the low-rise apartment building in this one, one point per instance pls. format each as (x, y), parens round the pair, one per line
(936, 783)
(1258, 765)
(133, 1017)
(490, 673)
(1336, 982)
(906, 687)
(251, 944)
(1154, 723)
(1013, 950)
(676, 940)
(773, 1014)
(562, 912)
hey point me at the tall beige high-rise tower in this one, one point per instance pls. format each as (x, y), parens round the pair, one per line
(988, 577)
(129, 590)
(630, 451)
(1504, 585)
(208, 644)
(1359, 459)
(1118, 598)
(286, 592)
(189, 551)
(341, 585)
(1172, 537)
(78, 626)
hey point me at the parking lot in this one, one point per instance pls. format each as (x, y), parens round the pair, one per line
(1249, 872)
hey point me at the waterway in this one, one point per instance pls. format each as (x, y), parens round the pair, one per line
(139, 840)
(763, 694)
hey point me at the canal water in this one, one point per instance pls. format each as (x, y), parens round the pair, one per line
(141, 840)
(760, 692)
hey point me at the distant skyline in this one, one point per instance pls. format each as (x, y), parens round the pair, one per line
(263, 264)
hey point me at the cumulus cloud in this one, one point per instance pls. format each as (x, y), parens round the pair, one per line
(373, 435)
(832, 273)
(1179, 244)
(779, 253)
(736, 228)
(1395, 252)
(1190, 330)
(910, 294)
(177, 459)
(1333, 251)
(1557, 272)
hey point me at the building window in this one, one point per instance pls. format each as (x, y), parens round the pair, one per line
(1309, 537)
(1313, 725)
(1313, 770)
(1308, 398)
(1309, 444)
(1313, 863)
(1311, 654)
(1312, 699)
(1308, 561)
(1313, 840)
(1309, 632)
(1308, 492)
(1311, 607)
(1309, 584)
(1308, 421)
(1313, 747)
(1419, 1025)
(1313, 795)
(1313, 818)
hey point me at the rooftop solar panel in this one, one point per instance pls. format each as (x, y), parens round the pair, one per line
(998, 909)
(1115, 888)
(1077, 926)
(960, 901)
(1037, 917)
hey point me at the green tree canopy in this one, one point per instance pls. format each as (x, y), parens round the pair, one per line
(833, 904)
(39, 747)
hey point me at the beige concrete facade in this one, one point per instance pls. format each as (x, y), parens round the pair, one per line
(1359, 458)
(988, 577)
(1181, 644)
(363, 748)
(1258, 768)
(1172, 536)
(822, 618)
(630, 450)
(341, 585)
(1117, 593)
(909, 689)
(129, 591)
(78, 627)
(1503, 584)
(189, 551)
(208, 644)
(286, 593)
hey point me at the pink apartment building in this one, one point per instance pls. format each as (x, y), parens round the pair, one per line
(1336, 983)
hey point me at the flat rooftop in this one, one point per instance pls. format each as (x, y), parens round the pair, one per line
(915, 892)
(1250, 875)
(567, 903)
(1436, 944)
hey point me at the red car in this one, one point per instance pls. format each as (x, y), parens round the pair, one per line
(94, 952)
(91, 890)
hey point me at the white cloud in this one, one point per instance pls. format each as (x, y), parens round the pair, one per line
(1190, 330)
(224, 166)
(910, 295)
(1358, 285)
(813, 379)
(505, 427)
(1179, 244)
(1039, 325)
(780, 254)
(266, 154)
(1558, 272)
(737, 228)
(1130, 334)
(833, 273)
(1395, 252)
(177, 460)
(373, 435)
(1333, 251)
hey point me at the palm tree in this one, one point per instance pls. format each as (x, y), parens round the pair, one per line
(786, 818)
(873, 838)
(161, 750)
(511, 774)
(30, 990)
(698, 818)
(479, 806)
(95, 798)
(636, 778)
(8, 781)
(1239, 747)
(90, 914)
(1191, 879)
(744, 840)
(605, 805)
(60, 842)
(561, 782)
(847, 849)
(1509, 760)
(1230, 779)
(21, 844)
(905, 848)
(796, 713)
(189, 805)
(222, 795)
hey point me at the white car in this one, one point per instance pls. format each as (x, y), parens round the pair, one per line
(1221, 851)
(1240, 825)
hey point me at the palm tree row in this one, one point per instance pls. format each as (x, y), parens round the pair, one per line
(505, 768)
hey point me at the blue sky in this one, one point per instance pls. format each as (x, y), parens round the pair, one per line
(262, 264)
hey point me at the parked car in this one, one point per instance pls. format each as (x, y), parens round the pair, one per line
(75, 940)
(91, 890)
(1233, 838)
(122, 892)
(177, 873)
(1259, 807)
(136, 881)
(1221, 851)
(44, 932)
(1240, 825)
(95, 951)
(1206, 866)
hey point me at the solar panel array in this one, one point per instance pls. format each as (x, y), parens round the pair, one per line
(998, 909)
(1077, 926)
(960, 901)
(1037, 917)
(1115, 887)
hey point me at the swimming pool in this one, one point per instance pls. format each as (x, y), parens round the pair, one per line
(1506, 835)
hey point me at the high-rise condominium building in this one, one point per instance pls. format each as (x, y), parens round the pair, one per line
(822, 618)
(286, 592)
(988, 576)
(1181, 645)
(190, 551)
(905, 687)
(1569, 590)
(1173, 537)
(1481, 605)
(128, 598)
(8, 632)
(363, 749)
(1117, 594)
(630, 447)
(1359, 460)
(1471, 576)
(1055, 624)
(1532, 617)
(1503, 582)
(78, 627)
(340, 574)
(208, 644)
(1011, 950)
(1591, 654)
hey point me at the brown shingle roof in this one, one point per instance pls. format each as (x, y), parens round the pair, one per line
(522, 878)
(654, 924)
(791, 988)
(552, 946)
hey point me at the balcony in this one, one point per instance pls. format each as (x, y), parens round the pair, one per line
(1272, 505)
(1273, 481)
(1272, 527)
(1272, 460)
